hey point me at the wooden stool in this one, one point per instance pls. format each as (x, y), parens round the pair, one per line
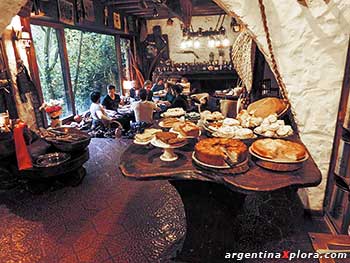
(321, 243)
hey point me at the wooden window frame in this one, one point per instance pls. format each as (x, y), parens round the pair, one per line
(65, 60)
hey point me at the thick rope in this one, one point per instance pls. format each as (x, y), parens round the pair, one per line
(272, 56)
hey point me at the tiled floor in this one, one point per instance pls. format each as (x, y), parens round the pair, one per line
(107, 219)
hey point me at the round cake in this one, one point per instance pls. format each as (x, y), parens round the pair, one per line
(211, 151)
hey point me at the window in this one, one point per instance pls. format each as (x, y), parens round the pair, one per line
(92, 64)
(50, 68)
(73, 63)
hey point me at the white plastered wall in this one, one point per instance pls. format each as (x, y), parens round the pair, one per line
(310, 46)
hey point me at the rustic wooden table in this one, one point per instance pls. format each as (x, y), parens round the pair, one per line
(211, 199)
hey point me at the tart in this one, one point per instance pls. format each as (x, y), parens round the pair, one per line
(211, 151)
(278, 149)
(170, 138)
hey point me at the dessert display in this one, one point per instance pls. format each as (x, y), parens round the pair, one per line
(214, 151)
(279, 150)
(267, 106)
(186, 129)
(170, 138)
(236, 132)
(212, 116)
(168, 122)
(146, 136)
(272, 127)
(248, 120)
(174, 112)
(168, 141)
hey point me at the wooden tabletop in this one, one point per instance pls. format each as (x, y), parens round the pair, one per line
(143, 163)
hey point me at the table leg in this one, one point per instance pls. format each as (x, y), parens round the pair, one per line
(210, 211)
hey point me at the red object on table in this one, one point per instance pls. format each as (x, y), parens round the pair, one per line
(24, 161)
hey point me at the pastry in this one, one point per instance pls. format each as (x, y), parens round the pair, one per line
(230, 122)
(278, 149)
(170, 138)
(225, 132)
(210, 151)
(186, 129)
(267, 106)
(168, 122)
(244, 133)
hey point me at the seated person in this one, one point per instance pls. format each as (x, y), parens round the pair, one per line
(134, 92)
(144, 109)
(169, 95)
(148, 87)
(98, 113)
(159, 85)
(111, 100)
(179, 99)
(186, 85)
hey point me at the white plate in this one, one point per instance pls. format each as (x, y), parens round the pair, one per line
(141, 143)
(214, 134)
(275, 136)
(187, 137)
(173, 114)
(277, 160)
(160, 144)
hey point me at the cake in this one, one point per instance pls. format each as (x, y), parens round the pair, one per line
(278, 149)
(186, 129)
(211, 151)
(170, 138)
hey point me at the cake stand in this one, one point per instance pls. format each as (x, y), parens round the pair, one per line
(168, 150)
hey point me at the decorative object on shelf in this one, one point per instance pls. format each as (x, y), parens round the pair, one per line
(117, 21)
(66, 12)
(79, 10)
(89, 13)
(105, 16)
(54, 109)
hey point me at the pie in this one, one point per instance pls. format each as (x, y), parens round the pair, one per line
(170, 138)
(278, 149)
(186, 129)
(213, 151)
(267, 106)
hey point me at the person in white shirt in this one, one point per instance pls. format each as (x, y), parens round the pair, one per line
(144, 109)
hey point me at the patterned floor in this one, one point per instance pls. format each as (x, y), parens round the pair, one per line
(106, 218)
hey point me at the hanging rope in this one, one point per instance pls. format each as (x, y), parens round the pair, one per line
(272, 56)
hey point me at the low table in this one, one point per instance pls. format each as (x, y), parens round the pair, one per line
(213, 201)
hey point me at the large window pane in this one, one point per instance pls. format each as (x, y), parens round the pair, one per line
(93, 64)
(49, 61)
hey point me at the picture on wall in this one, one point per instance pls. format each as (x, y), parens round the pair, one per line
(89, 13)
(117, 22)
(66, 12)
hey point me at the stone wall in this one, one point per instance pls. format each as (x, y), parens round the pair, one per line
(174, 33)
(310, 45)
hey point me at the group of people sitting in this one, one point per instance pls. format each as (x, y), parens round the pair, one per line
(151, 98)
